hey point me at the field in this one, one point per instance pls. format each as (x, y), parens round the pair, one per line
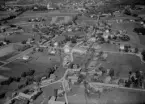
(18, 37)
(122, 96)
(114, 96)
(122, 64)
(142, 38)
(7, 56)
(19, 66)
(6, 50)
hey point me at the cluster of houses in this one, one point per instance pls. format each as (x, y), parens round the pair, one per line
(25, 97)
(128, 48)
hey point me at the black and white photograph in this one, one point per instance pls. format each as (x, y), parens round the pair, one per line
(72, 51)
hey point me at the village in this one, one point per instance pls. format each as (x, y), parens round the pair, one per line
(71, 53)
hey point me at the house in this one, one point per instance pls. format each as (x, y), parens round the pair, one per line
(25, 57)
(24, 96)
(122, 47)
(51, 6)
(79, 50)
(47, 81)
(32, 96)
(73, 79)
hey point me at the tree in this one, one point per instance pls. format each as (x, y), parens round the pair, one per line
(29, 80)
(23, 74)
(127, 11)
(21, 86)
(80, 78)
(111, 73)
(38, 79)
(17, 79)
(2, 95)
(73, 40)
(30, 72)
(24, 42)
(143, 54)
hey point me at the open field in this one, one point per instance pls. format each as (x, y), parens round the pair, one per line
(18, 67)
(121, 96)
(114, 96)
(7, 56)
(122, 64)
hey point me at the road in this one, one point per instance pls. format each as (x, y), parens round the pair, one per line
(62, 80)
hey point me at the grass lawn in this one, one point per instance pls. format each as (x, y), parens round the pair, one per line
(122, 64)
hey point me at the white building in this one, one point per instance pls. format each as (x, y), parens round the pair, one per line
(79, 50)
(25, 57)
(122, 47)
(76, 69)
(50, 6)
(73, 79)
(67, 48)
